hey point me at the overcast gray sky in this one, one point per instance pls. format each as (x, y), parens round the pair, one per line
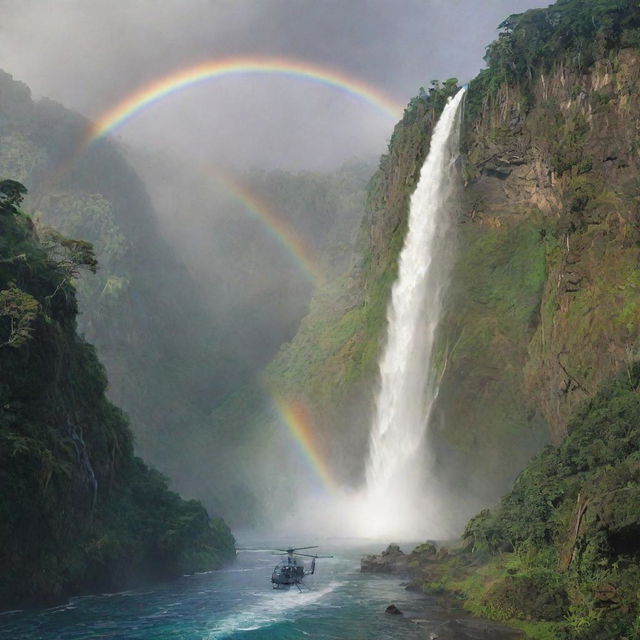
(89, 54)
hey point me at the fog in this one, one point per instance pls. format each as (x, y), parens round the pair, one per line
(90, 54)
(281, 135)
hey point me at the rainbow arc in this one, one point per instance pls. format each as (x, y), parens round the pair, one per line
(303, 254)
(300, 426)
(173, 82)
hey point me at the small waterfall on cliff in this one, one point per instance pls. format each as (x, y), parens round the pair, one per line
(395, 486)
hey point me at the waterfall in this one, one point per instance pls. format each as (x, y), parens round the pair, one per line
(394, 474)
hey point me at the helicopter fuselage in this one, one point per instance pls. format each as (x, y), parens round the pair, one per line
(289, 572)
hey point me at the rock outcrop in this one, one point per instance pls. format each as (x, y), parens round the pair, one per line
(418, 565)
(391, 560)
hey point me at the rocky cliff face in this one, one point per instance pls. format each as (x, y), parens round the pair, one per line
(544, 302)
(594, 195)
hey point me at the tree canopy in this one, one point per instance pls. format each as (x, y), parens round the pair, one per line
(12, 193)
(573, 31)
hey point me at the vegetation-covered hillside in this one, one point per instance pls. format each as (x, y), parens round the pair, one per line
(544, 299)
(551, 227)
(78, 512)
(572, 520)
(167, 363)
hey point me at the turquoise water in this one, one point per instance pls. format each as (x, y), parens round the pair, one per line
(239, 603)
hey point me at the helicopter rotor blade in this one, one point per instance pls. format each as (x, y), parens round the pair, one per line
(313, 546)
(294, 549)
(309, 555)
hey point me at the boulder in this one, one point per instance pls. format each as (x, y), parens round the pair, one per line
(393, 610)
(391, 560)
(393, 550)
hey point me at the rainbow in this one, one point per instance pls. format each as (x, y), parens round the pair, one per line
(297, 247)
(299, 423)
(241, 66)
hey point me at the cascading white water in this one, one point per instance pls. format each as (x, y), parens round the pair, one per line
(394, 494)
(401, 499)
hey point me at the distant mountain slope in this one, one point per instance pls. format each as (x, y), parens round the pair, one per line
(257, 241)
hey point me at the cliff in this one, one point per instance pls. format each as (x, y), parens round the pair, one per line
(331, 364)
(543, 305)
(78, 512)
(540, 337)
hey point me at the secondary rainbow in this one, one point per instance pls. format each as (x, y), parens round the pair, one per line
(299, 423)
(241, 66)
(296, 246)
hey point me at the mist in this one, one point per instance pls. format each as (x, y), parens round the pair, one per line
(278, 137)
(90, 55)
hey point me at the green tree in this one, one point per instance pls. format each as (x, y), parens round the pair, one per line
(12, 193)
(18, 313)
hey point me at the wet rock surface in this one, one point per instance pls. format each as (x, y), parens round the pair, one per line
(393, 610)
(391, 560)
(413, 565)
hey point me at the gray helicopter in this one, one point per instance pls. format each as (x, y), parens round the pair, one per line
(291, 570)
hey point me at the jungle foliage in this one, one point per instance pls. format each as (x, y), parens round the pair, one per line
(571, 526)
(570, 31)
(573, 33)
(78, 512)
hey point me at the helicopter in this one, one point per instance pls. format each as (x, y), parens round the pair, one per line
(290, 571)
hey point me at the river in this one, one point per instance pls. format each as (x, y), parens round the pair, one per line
(238, 603)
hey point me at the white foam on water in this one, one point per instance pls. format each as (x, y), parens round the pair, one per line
(268, 609)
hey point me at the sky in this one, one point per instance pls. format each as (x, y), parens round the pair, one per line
(91, 54)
